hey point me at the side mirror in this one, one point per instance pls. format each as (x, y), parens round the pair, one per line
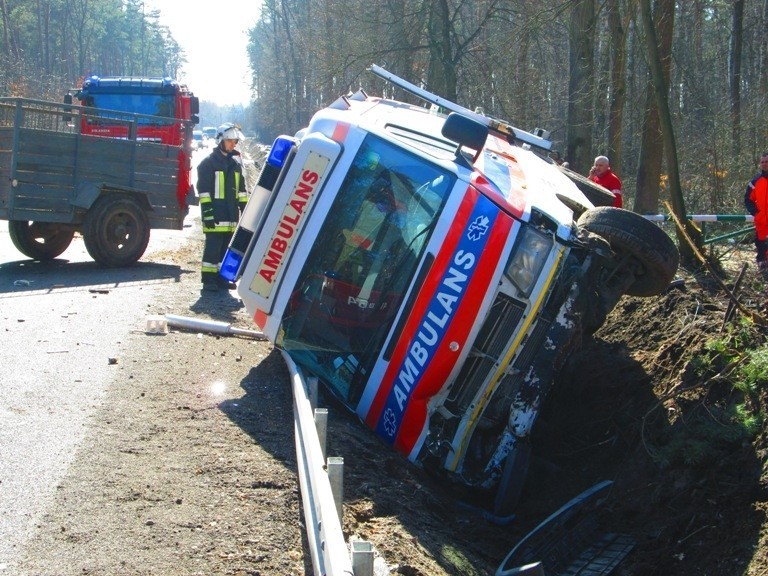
(466, 132)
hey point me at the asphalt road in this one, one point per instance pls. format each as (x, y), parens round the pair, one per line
(63, 324)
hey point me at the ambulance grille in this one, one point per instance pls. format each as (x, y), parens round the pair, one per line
(490, 345)
(532, 344)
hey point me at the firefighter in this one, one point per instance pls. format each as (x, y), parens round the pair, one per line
(222, 192)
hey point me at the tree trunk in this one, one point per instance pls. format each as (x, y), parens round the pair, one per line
(441, 75)
(581, 80)
(687, 256)
(618, 84)
(10, 50)
(734, 73)
(652, 147)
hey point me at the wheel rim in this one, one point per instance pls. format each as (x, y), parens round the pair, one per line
(122, 232)
(46, 234)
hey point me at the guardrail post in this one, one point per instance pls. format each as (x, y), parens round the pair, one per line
(312, 384)
(321, 423)
(335, 466)
(362, 558)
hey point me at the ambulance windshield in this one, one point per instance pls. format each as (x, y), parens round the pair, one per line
(355, 279)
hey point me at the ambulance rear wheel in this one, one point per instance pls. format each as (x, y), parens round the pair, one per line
(40, 240)
(116, 231)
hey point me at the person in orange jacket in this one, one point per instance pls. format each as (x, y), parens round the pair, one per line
(602, 174)
(756, 202)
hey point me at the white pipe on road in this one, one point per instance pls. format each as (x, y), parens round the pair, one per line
(214, 326)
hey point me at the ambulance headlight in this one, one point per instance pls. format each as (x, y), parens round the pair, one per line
(528, 257)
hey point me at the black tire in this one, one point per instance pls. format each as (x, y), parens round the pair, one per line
(116, 231)
(40, 240)
(631, 234)
(512, 480)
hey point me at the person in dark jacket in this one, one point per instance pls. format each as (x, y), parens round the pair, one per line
(223, 196)
(756, 202)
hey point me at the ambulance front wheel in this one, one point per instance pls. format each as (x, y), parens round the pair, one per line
(116, 230)
(641, 247)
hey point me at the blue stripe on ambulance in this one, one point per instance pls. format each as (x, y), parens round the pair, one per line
(439, 313)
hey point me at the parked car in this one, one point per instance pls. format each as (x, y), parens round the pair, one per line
(435, 272)
(209, 132)
(197, 139)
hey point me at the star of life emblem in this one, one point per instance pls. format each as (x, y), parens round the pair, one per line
(390, 422)
(478, 228)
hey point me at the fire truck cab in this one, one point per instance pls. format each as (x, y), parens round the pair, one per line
(168, 116)
(435, 272)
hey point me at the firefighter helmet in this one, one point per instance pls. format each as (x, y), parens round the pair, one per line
(228, 131)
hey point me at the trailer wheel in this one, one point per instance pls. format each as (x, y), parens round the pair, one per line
(652, 253)
(40, 240)
(116, 231)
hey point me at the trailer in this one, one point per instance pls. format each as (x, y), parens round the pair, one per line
(58, 179)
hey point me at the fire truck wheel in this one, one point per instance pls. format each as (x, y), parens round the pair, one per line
(651, 253)
(40, 240)
(116, 231)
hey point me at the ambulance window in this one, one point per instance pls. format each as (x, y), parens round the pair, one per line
(356, 276)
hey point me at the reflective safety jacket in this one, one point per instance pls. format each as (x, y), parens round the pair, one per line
(221, 188)
(756, 202)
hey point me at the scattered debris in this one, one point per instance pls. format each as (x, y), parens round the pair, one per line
(156, 325)
(571, 541)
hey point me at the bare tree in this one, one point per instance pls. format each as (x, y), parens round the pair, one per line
(667, 129)
(652, 148)
(734, 72)
(580, 85)
(617, 27)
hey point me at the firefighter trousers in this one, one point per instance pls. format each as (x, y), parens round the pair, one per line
(216, 244)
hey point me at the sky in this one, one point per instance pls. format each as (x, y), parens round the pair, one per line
(214, 37)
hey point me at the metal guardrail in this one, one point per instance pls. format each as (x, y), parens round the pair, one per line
(705, 218)
(320, 483)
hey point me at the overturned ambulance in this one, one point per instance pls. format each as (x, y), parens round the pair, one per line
(435, 272)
